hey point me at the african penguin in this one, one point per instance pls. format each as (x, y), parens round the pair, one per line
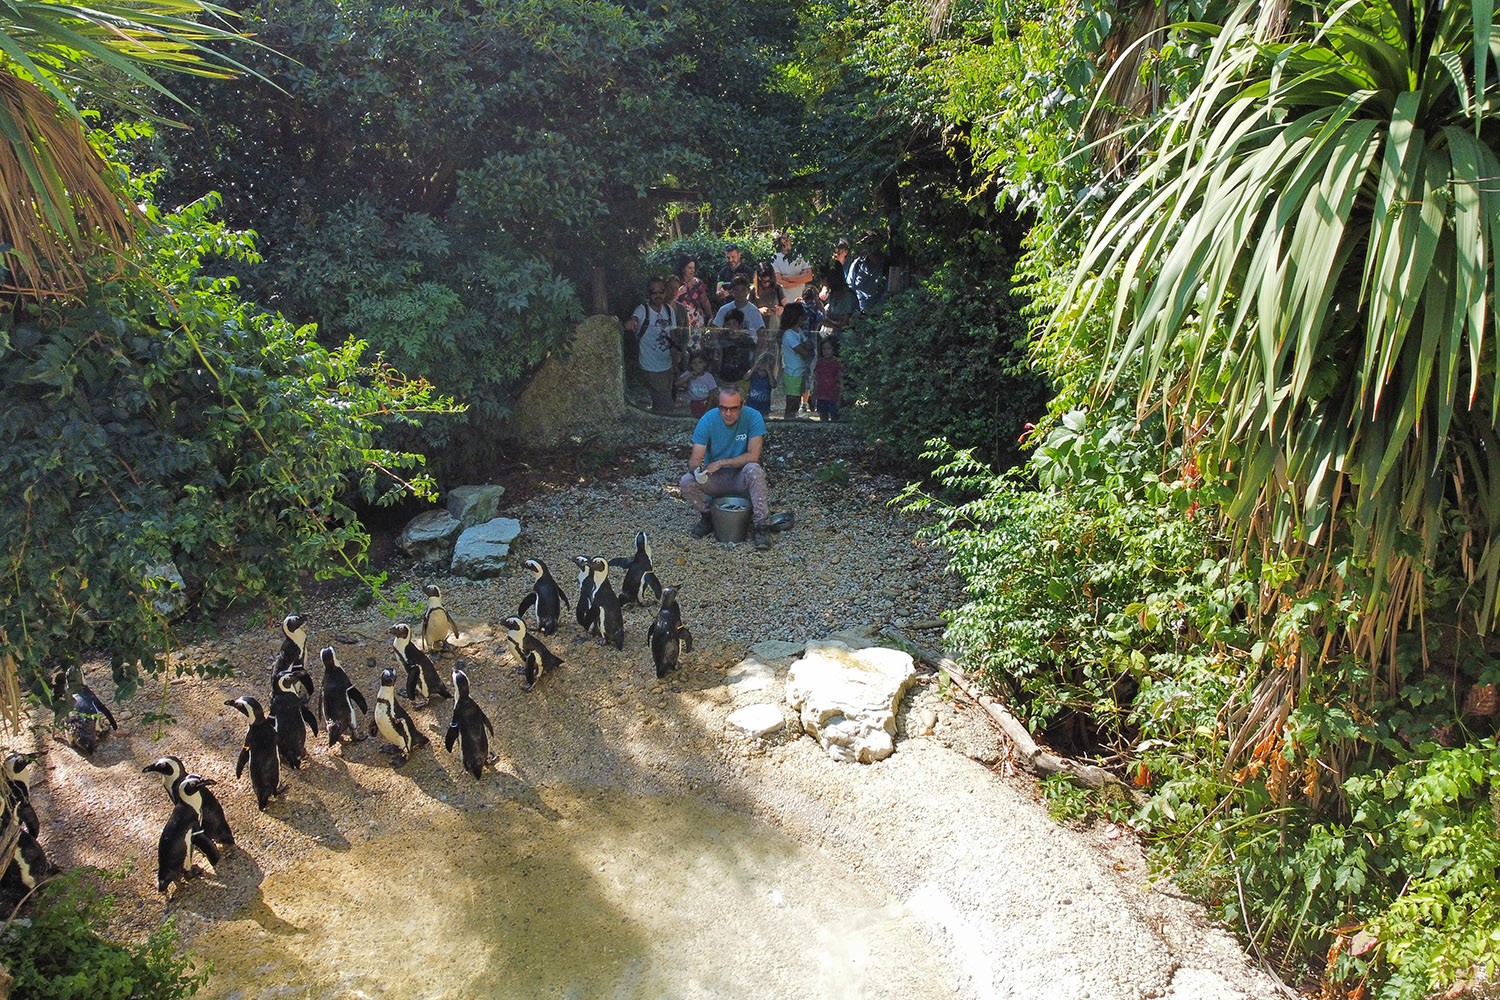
(88, 709)
(293, 720)
(18, 791)
(536, 659)
(638, 572)
(211, 817)
(340, 698)
(585, 590)
(470, 727)
(605, 607)
(667, 634)
(174, 849)
(293, 652)
(436, 625)
(422, 680)
(392, 722)
(259, 750)
(546, 595)
(29, 865)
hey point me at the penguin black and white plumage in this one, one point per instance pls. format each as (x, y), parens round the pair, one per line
(604, 610)
(546, 596)
(212, 825)
(29, 865)
(667, 635)
(536, 659)
(18, 791)
(211, 817)
(88, 710)
(422, 680)
(392, 722)
(340, 698)
(293, 652)
(437, 626)
(259, 751)
(639, 576)
(470, 727)
(585, 591)
(182, 833)
(293, 720)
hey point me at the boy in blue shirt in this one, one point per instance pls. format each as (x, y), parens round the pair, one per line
(726, 455)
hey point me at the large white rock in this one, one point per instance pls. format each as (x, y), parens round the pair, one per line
(847, 698)
(481, 551)
(429, 536)
(474, 504)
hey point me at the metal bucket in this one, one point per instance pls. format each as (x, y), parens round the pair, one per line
(731, 517)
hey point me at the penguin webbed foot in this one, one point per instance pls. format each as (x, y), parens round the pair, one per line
(390, 748)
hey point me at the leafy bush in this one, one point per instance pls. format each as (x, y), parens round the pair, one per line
(56, 953)
(165, 420)
(945, 359)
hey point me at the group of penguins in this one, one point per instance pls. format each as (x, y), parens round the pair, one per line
(277, 733)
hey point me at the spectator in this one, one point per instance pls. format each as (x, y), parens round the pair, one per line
(656, 324)
(828, 379)
(812, 306)
(867, 276)
(737, 350)
(762, 381)
(735, 268)
(838, 261)
(693, 296)
(792, 273)
(767, 298)
(796, 354)
(698, 382)
(740, 299)
(841, 305)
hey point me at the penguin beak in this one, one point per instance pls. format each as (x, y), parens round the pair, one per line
(207, 781)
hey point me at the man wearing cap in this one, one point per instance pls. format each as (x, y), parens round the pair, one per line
(726, 460)
(735, 268)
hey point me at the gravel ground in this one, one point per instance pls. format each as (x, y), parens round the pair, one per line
(628, 844)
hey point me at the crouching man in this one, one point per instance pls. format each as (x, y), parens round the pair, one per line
(726, 455)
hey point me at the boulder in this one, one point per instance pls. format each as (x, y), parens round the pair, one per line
(428, 537)
(474, 504)
(847, 698)
(758, 720)
(749, 675)
(168, 591)
(776, 649)
(577, 390)
(481, 551)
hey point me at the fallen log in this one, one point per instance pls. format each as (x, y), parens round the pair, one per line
(1031, 756)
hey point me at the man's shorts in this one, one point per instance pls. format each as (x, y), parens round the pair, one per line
(792, 384)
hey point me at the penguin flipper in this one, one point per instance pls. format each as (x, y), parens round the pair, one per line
(686, 637)
(104, 711)
(622, 563)
(452, 736)
(358, 700)
(206, 847)
(649, 580)
(486, 720)
(564, 595)
(527, 603)
(310, 719)
(239, 769)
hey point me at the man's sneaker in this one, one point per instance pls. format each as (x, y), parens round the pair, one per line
(704, 527)
(762, 537)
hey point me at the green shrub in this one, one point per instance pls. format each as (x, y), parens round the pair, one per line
(57, 952)
(946, 359)
(166, 420)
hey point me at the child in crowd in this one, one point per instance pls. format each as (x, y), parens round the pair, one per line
(796, 354)
(737, 350)
(827, 378)
(698, 382)
(812, 309)
(762, 381)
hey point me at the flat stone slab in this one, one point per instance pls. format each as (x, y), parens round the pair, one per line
(481, 551)
(847, 698)
(776, 649)
(473, 505)
(429, 536)
(749, 675)
(758, 720)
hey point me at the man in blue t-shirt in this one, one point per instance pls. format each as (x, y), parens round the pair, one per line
(726, 454)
